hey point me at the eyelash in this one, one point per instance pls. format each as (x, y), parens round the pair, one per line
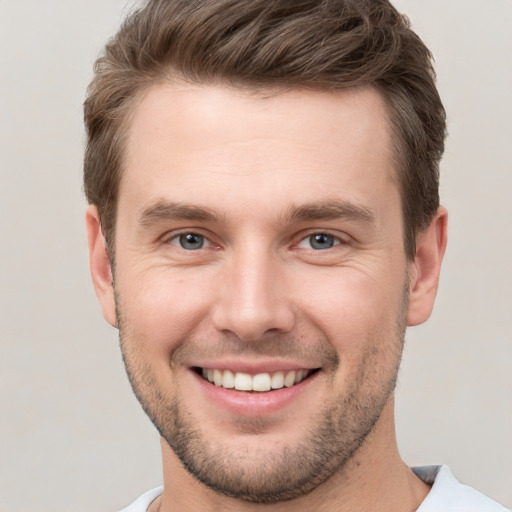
(177, 240)
(335, 240)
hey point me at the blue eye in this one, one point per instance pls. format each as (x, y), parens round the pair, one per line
(190, 241)
(319, 242)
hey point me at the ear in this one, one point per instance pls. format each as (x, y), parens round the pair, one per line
(425, 269)
(99, 262)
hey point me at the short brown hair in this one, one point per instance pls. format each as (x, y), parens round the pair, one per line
(278, 44)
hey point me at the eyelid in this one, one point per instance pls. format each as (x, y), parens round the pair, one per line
(175, 240)
(172, 238)
(338, 239)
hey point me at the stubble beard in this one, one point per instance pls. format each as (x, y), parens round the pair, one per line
(267, 476)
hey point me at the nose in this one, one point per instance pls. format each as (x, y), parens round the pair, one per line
(252, 301)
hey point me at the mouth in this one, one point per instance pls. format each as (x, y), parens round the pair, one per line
(259, 383)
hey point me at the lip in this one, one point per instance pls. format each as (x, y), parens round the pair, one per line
(252, 404)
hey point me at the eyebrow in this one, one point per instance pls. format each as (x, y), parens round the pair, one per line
(166, 210)
(162, 210)
(330, 210)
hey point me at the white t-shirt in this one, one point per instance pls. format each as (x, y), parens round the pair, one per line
(446, 495)
(449, 495)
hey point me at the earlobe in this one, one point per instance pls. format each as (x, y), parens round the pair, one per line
(99, 263)
(425, 269)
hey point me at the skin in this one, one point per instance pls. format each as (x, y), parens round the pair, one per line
(239, 169)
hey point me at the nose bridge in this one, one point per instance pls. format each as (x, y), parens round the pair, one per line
(252, 300)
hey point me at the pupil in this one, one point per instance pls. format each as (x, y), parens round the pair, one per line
(321, 241)
(191, 241)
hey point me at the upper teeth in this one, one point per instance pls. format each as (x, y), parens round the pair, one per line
(260, 382)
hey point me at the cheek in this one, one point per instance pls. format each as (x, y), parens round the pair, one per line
(159, 309)
(361, 321)
(354, 310)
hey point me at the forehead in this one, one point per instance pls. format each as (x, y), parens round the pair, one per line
(200, 140)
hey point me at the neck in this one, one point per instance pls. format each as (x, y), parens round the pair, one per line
(374, 479)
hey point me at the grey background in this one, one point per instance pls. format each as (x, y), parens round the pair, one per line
(72, 437)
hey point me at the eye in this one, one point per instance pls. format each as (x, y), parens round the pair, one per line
(189, 241)
(319, 242)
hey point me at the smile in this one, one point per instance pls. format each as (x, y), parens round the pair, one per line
(260, 383)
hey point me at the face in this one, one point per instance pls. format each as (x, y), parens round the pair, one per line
(261, 282)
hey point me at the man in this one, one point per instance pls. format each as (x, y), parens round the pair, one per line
(264, 223)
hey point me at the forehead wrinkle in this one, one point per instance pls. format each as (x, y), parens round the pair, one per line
(162, 209)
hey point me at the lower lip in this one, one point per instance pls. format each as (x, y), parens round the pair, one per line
(253, 403)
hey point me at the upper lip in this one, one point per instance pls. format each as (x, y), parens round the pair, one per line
(254, 367)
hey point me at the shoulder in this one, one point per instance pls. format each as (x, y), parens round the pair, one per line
(449, 495)
(142, 503)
